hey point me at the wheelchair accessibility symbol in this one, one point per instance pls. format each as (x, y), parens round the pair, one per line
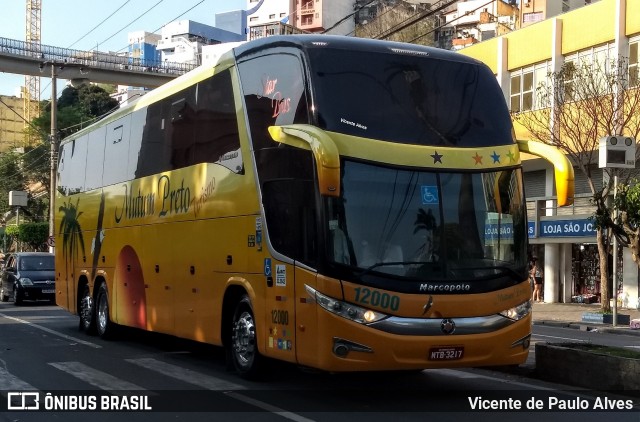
(267, 267)
(429, 194)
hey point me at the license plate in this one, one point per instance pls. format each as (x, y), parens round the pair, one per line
(446, 353)
(46, 291)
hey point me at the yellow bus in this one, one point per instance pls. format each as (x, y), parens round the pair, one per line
(339, 203)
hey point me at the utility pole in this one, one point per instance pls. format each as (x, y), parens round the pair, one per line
(54, 156)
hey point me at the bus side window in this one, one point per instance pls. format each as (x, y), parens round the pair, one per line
(217, 139)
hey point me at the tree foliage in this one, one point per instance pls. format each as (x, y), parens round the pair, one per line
(575, 108)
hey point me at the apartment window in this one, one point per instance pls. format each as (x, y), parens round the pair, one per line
(524, 83)
(597, 61)
(272, 16)
(307, 19)
(634, 74)
(253, 19)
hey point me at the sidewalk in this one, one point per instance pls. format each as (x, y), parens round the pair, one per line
(570, 315)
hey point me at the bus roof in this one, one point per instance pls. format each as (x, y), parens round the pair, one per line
(299, 41)
(307, 41)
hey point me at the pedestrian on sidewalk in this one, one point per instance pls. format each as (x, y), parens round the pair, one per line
(536, 275)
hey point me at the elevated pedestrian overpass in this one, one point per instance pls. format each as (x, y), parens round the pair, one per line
(27, 58)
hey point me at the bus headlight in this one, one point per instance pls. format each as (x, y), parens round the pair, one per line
(518, 312)
(344, 309)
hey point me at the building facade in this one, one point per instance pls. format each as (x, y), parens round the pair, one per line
(330, 16)
(181, 41)
(564, 238)
(470, 22)
(143, 48)
(12, 125)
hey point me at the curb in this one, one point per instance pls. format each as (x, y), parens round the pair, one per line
(583, 326)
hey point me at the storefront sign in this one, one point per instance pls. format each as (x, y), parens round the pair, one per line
(566, 228)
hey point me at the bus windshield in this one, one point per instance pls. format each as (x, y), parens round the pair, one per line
(407, 98)
(428, 225)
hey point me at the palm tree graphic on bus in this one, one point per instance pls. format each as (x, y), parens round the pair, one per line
(71, 231)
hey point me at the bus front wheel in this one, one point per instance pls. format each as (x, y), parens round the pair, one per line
(243, 349)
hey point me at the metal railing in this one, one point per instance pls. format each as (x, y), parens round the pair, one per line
(97, 59)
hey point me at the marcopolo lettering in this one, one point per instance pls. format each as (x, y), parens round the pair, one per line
(445, 287)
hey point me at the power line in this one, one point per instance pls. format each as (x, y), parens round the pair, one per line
(417, 17)
(125, 27)
(447, 23)
(96, 27)
(177, 17)
(22, 117)
(348, 16)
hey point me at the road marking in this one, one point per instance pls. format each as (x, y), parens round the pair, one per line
(455, 373)
(187, 375)
(95, 377)
(50, 331)
(9, 382)
(268, 407)
(214, 384)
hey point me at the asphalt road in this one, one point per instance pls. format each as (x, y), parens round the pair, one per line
(41, 351)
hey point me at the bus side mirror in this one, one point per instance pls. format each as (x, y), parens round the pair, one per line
(323, 148)
(563, 169)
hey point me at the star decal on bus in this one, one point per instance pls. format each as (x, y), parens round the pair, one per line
(437, 158)
(512, 157)
(477, 158)
(495, 157)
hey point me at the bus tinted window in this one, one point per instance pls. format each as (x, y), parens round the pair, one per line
(274, 94)
(408, 99)
(196, 125)
(71, 166)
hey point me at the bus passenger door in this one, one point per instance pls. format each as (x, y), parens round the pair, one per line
(291, 225)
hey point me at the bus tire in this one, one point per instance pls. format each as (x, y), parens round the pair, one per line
(243, 348)
(86, 312)
(104, 326)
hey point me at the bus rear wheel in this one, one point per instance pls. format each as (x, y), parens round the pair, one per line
(104, 326)
(87, 321)
(243, 350)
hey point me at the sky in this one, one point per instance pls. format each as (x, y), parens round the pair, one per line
(72, 23)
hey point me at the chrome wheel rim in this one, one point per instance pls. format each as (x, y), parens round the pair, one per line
(86, 307)
(103, 313)
(244, 340)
